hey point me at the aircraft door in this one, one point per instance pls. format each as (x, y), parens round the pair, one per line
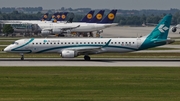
(138, 42)
(28, 46)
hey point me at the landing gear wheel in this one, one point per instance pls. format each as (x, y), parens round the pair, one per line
(87, 58)
(22, 57)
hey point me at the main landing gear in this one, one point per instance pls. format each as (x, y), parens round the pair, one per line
(87, 58)
(22, 56)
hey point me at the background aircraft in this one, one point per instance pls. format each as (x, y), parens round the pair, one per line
(174, 29)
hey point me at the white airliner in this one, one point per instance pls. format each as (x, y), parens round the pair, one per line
(73, 47)
(47, 27)
(174, 29)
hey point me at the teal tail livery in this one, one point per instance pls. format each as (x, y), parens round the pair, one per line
(159, 35)
(73, 47)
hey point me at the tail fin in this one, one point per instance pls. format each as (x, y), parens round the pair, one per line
(44, 17)
(110, 17)
(58, 16)
(98, 17)
(162, 29)
(88, 17)
(159, 35)
(63, 16)
(53, 18)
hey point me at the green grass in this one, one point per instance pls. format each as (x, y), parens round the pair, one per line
(176, 43)
(89, 84)
(2, 42)
(162, 48)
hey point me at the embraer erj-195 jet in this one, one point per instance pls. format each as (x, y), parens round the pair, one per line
(73, 47)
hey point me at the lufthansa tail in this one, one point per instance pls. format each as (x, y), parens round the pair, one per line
(44, 17)
(98, 17)
(110, 17)
(88, 17)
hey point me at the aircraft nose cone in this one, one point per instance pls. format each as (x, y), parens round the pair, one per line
(6, 49)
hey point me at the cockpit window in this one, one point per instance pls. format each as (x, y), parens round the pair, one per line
(16, 43)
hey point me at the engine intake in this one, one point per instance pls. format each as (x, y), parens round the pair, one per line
(68, 54)
(174, 29)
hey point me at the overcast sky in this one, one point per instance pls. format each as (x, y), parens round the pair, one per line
(94, 4)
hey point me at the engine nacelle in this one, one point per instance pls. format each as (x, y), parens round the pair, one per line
(57, 31)
(46, 32)
(174, 29)
(68, 54)
(100, 31)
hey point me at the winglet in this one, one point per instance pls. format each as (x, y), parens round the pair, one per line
(107, 44)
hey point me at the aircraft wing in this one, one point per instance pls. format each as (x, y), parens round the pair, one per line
(63, 29)
(89, 50)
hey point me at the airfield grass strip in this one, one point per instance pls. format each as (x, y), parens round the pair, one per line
(89, 84)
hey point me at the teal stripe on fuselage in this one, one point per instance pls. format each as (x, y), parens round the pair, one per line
(29, 51)
(78, 46)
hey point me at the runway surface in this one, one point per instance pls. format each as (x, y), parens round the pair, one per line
(118, 31)
(135, 62)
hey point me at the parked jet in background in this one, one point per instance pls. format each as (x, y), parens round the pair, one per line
(73, 47)
(95, 24)
(174, 29)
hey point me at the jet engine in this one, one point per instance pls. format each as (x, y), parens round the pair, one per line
(57, 30)
(53, 31)
(174, 29)
(46, 32)
(68, 54)
(100, 31)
